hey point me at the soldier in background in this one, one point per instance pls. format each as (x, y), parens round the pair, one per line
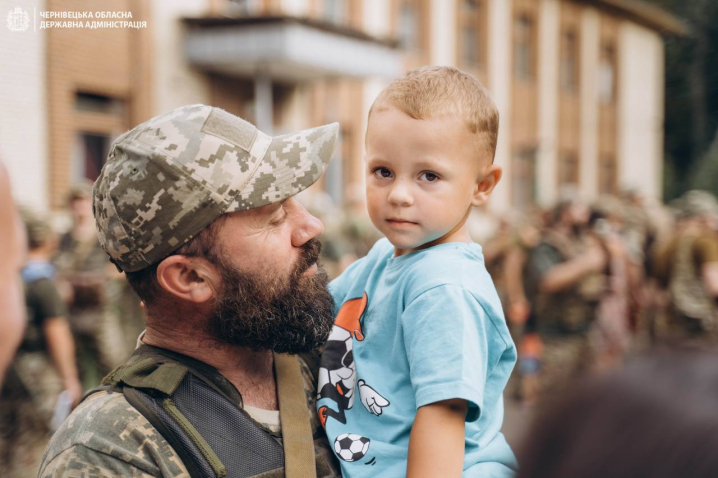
(566, 277)
(687, 267)
(83, 273)
(44, 365)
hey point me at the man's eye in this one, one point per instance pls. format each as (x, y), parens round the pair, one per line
(382, 173)
(278, 220)
(430, 177)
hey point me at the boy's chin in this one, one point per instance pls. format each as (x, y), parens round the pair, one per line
(404, 245)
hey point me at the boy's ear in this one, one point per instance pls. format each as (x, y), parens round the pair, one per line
(491, 177)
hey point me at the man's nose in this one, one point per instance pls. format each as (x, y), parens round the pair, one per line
(400, 194)
(306, 227)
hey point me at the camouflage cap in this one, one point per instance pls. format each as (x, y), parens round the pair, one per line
(80, 190)
(170, 177)
(696, 203)
(37, 227)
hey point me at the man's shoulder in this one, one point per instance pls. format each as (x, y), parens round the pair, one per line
(106, 431)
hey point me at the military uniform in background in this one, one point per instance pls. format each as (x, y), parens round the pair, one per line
(125, 313)
(84, 265)
(33, 385)
(692, 315)
(563, 320)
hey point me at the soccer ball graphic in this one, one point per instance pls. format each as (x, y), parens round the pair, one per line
(350, 447)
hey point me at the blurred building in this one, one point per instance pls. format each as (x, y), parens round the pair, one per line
(579, 83)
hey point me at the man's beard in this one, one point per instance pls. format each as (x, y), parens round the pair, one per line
(286, 315)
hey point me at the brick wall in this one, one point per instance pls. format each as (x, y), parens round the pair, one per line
(107, 62)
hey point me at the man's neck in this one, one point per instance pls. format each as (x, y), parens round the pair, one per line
(251, 372)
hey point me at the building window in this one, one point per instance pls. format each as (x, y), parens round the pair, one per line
(607, 74)
(523, 184)
(93, 103)
(523, 48)
(569, 61)
(470, 28)
(409, 25)
(607, 174)
(336, 11)
(568, 169)
(89, 155)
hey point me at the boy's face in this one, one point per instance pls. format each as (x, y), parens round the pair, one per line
(423, 177)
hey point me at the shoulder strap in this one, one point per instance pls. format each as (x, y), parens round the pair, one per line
(299, 459)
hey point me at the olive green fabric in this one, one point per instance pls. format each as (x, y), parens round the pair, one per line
(693, 311)
(294, 415)
(43, 302)
(571, 311)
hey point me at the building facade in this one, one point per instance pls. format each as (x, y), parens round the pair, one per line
(579, 83)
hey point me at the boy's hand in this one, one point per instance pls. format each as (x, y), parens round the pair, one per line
(370, 398)
(436, 443)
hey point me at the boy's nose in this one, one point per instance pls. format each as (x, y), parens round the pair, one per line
(400, 195)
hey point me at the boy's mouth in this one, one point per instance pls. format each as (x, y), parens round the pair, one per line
(400, 223)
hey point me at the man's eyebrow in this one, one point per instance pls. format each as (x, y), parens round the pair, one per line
(276, 206)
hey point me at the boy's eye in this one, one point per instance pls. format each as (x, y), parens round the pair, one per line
(382, 173)
(430, 177)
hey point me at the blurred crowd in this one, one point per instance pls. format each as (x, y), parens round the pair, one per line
(82, 320)
(584, 287)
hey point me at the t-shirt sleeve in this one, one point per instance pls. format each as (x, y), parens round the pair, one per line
(47, 302)
(446, 343)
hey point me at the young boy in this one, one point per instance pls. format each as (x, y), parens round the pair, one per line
(411, 379)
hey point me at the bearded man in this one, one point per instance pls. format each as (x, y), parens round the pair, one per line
(196, 206)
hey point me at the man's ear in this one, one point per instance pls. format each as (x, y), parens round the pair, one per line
(490, 177)
(189, 278)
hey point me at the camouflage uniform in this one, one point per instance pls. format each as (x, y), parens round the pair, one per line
(563, 319)
(106, 436)
(95, 330)
(164, 182)
(31, 388)
(124, 311)
(692, 316)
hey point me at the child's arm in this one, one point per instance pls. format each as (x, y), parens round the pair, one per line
(436, 443)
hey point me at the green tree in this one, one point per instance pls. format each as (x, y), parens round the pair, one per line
(691, 97)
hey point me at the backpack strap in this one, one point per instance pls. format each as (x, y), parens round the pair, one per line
(297, 437)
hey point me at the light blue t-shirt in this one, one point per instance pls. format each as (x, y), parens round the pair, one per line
(409, 331)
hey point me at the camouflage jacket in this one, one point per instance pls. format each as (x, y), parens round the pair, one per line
(106, 436)
(567, 312)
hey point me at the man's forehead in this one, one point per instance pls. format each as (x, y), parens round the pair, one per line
(257, 212)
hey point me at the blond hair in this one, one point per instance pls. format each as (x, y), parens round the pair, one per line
(435, 91)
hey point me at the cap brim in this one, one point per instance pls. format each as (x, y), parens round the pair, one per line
(292, 163)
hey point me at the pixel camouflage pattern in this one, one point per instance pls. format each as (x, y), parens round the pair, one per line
(170, 177)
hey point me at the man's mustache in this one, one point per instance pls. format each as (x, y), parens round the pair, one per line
(310, 254)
